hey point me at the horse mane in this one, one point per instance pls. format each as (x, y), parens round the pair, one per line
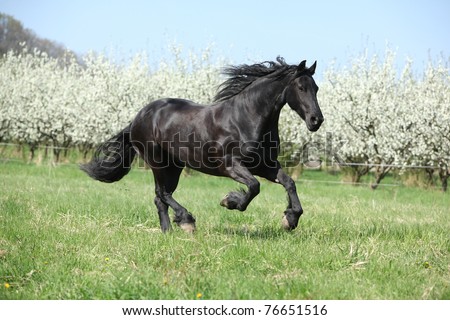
(243, 75)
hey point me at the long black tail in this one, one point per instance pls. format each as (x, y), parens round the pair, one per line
(112, 160)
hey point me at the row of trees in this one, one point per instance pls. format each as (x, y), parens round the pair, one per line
(13, 34)
(81, 105)
(390, 121)
(376, 118)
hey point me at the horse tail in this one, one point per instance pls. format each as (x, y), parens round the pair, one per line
(112, 160)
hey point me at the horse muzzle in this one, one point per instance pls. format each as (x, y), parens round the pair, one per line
(313, 123)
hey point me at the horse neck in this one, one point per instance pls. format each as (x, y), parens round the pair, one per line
(264, 100)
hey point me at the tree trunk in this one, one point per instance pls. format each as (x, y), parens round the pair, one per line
(357, 172)
(380, 173)
(33, 148)
(429, 173)
(56, 153)
(444, 174)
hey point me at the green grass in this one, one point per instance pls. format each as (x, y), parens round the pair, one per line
(66, 236)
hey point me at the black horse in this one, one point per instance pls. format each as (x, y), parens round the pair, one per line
(236, 137)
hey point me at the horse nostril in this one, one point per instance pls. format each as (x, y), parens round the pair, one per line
(316, 121)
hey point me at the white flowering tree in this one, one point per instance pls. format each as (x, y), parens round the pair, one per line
(380, 116)
(431, 147)
(29, 98)
(44, 103)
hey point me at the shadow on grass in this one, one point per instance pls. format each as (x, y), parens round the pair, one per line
(252, 232)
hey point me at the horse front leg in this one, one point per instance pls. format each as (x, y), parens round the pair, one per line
(240, 199)
(294, 210)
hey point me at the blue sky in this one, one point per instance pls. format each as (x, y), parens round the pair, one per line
(244, 31)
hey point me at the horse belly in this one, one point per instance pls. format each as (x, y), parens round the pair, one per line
(189, 135)
(177, 129)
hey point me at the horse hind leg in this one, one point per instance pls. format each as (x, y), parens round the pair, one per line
(166, 180)
(163, 213)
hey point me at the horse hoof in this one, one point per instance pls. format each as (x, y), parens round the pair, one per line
(231, 201)
(285, 224)
(188, 227)
(224, 202)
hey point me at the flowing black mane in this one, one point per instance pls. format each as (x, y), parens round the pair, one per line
(243, 75)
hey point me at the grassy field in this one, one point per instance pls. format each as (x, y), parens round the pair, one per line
(65, 236)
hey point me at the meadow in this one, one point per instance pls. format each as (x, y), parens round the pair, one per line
(66, 236)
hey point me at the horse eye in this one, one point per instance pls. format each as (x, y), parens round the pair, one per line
(301, 88)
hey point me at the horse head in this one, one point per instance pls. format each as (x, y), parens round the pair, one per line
(301, 96)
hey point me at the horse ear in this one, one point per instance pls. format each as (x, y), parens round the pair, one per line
(312, 69)
(301, 67)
